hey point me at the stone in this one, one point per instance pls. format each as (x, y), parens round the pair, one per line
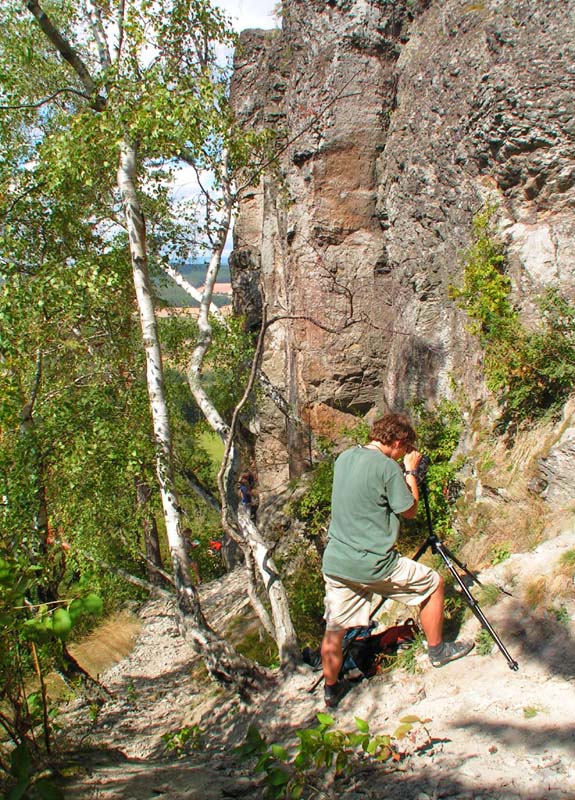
(398, 122)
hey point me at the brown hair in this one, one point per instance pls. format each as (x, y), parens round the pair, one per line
(391, 428)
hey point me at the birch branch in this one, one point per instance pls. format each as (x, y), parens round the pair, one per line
(40, 103)
(201, 490)
(117, 51)
(67, 52)
(194, 293)
(154, 567)
(97, 27)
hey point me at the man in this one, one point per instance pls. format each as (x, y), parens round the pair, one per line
(370, 492)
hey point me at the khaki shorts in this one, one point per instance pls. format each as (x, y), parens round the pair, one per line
(348, 604)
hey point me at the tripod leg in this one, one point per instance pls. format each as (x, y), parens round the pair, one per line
(485, 624)
(473, 604)
(450, 560)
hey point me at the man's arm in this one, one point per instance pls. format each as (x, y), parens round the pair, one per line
(410, 513)
(410, 462)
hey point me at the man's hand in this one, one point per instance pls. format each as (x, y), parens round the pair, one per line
(411, 460)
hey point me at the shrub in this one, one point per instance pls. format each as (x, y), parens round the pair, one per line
(322, 751)
(531, 372)
(314, 507)
(438, 432)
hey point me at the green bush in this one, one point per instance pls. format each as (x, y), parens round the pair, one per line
(314, 507)
(531, 372)
(321, 752)
(305, 590)
(438, 431)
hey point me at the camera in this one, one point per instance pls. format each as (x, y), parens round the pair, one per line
(421, 471)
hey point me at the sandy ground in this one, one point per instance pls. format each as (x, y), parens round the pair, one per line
(493, 733)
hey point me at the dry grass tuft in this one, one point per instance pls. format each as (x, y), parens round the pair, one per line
(535, 593)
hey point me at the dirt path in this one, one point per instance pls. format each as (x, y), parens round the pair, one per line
(493, 734)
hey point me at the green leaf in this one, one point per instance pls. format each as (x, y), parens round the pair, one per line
(278, 777)
(19, 790)
(20, 763)
(326, 719)
(279, 752)
(361, 725)
(402, 731)
(45, 789)
(93, 604)
(76, 608)
(296, 790)
(61, 623)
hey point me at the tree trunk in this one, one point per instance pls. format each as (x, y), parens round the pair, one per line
(236, 524)
(150, 534)
(220, 659)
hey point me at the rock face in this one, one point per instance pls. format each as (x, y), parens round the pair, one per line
(397, 121)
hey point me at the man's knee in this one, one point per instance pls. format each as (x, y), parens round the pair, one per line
(437, 594)
(332, 642)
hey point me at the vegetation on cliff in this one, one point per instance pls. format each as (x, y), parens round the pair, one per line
(531, 370)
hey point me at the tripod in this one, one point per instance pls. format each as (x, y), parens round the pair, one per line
(450, 561)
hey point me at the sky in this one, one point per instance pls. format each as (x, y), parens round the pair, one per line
(244, 14)
(250, 13)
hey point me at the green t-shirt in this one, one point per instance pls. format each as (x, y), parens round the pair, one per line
(369, 492)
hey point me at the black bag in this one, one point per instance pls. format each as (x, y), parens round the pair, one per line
(361, 648)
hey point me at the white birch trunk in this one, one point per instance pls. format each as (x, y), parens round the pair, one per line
(191, 290)
(220, 659)
(244, 531)
(223, 663)
(154, 373)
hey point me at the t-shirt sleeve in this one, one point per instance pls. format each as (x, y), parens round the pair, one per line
(399, 496)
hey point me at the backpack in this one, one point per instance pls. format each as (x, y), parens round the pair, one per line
(362, 649)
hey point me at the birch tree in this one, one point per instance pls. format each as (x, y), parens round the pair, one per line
(134, 89)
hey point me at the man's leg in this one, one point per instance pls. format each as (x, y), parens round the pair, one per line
(408, 583)
(431, 616)
(347, 605)
(332, 655)
(331, 659)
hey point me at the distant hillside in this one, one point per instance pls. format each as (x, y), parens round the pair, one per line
(195, 273)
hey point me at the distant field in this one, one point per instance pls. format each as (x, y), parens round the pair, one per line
(214, 447)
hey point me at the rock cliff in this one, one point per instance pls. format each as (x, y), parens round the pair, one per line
(397, 120)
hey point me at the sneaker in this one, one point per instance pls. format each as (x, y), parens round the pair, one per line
(333, 694)
(450, 652)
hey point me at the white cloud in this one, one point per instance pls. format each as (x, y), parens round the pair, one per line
(250, 13)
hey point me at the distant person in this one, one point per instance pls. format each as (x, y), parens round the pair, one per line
(191, 546)
(370, 493)
(246, 491)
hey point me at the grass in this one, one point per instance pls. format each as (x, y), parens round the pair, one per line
(567, 560)
(214, 447)
(561, 614)
(406, 659)
(488, 594)
(535, 592)
(483, 643)
(530, 711)
(501, 553)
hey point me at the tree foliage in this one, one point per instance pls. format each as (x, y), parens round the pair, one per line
(78, 81)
